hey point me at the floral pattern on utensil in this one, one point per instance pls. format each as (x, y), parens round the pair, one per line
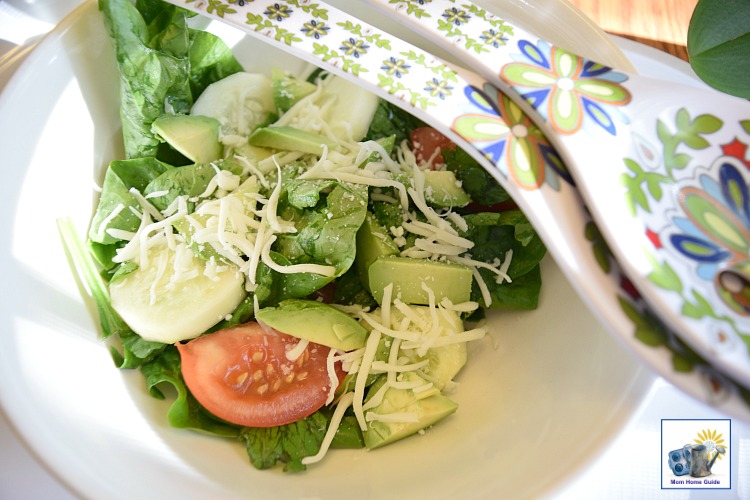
(498, 126)
(567, 90)
(697, 219)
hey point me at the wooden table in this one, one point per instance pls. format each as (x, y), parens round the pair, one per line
(659, 23)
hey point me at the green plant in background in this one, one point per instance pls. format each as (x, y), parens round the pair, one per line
(718, 44)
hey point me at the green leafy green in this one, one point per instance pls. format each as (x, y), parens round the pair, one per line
(116, 199)
(190, 180)
(149, 78)
(718, 44)
(493, 234)
(326, 232)
(85, 266)
(163, 65)
(210, 61)
(286, 444)
(390, 120)
(475, 180)
(185, 411)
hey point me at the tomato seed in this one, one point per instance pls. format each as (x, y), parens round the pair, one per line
(302, 376)
(276, 385)
(258, 375)
(289, 378)
(257, 357)
(270, 369)
(262, 389)
(241, 378)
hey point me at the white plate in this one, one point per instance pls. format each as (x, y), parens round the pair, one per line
(537, 401)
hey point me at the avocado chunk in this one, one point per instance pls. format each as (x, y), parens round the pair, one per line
(442, 189)
(445, 361)
(290, 139)
(195, 136)
(446, 280)
(425, 409)
(288, 89)
(315, 321)
(372, 242)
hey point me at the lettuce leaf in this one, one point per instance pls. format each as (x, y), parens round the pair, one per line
(390, 120)
(475, 180)
(120, 177)
(163, 65)
(493, 234)
(327, 217)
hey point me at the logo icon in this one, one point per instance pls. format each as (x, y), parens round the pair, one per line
(699, 463)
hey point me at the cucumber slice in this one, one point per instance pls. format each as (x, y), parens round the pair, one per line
(162, 311)
(342, 107)
(352, 108)
(241, 102)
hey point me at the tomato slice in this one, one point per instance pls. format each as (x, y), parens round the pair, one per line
(424, 142)
(242, 375)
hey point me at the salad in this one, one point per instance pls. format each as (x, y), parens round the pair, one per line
(297, 263)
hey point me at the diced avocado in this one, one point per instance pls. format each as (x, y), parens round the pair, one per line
(253, 154)
(444, 362)
(446, 280)
(428, 410)
(315, 321)
(373, 241)
(195, 136)
(290, 139)
(288, 89)
(381, 354)
(442, 189)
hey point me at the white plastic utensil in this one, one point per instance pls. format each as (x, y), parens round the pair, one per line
(664, 168)
(496, 132)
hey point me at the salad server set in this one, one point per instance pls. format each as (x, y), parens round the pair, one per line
(596, 158)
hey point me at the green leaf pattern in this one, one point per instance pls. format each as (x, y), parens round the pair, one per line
(356, 48)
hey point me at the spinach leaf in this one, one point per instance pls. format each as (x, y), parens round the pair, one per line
(327, 232)
(493, 235)
(149, 78)
(163, 65)
(119, 178)
(718, 43)
(190, 180)
(85, 267)
(519, 295)
(210, 61)
(185, 411)
(286, 444)
(475, 180)
(134, 351)
(351, 291)
(390, 120)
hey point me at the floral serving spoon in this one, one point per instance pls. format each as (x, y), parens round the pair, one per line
(503, 139)
(664, 168)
